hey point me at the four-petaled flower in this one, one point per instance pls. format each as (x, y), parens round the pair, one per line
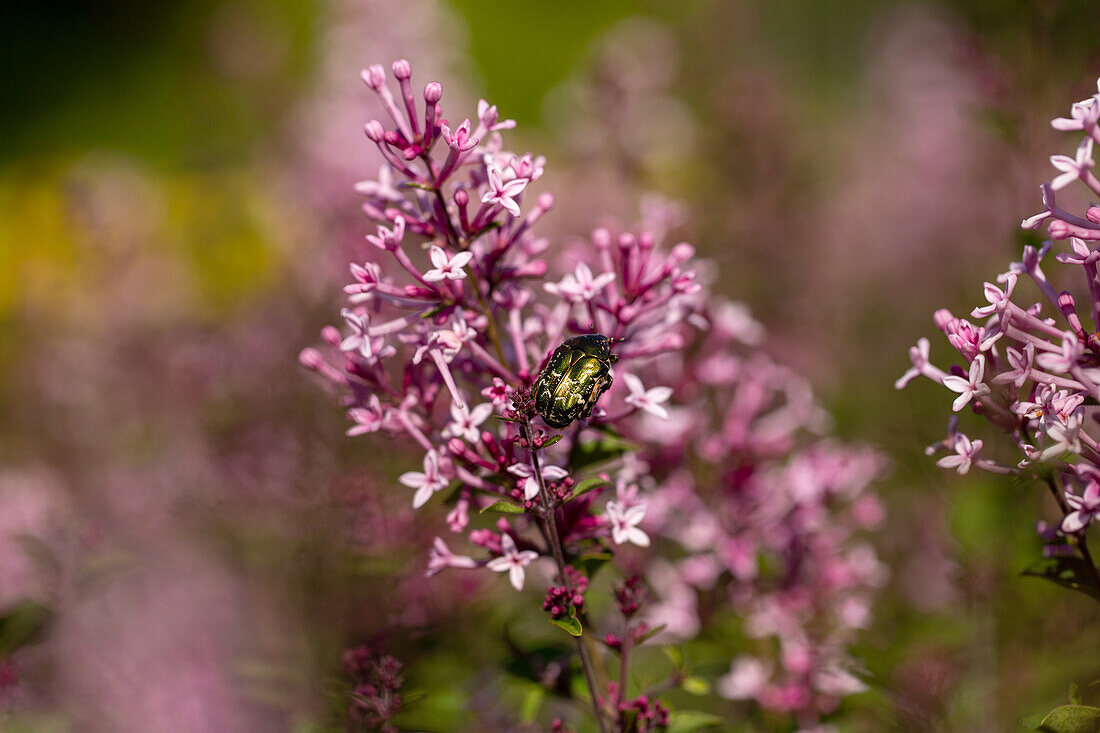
(460, 140)
(624, 523)
(504, 193)
(968, 388)
(512, 560)
(426, 483)
(367, 419)
(1086, 508)
(530, 483)
(647, 399)
(465, 422)
(579, 286)
(359, 340)
(447, 268)
(441, 557)
(965, 451)
(919, 356)
(1072, 168)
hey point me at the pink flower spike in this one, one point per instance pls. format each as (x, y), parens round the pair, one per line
(512, 560)
(503, 193)
(444, 268)
(441, 558)
(650, 399)
(426, 483)
(579, 286)
(1086, 508)
(359, 340)
(624, 523)
(968, 388)
(1021, 363)
(965, 452)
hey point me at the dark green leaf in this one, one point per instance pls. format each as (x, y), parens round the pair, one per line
(1074, 695)
(587, 485)
(1068, 572)
(595, 452)
(503, 507)
(1072, 719)
(24, 624)
(593, 562)
(690, 721)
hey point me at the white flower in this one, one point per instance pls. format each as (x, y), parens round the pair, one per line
(441, 557)
(359, 340)
(465, 422)
(579, 286)
(504, 193)
(624, 523)
(445, 268)
(965, 452)
(530, 484)
(426, 483)
(968, 388)
(512, 560)
(1072, 168)
(647, 399)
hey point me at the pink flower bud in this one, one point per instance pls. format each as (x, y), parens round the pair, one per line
(433, 92)
(374, 76)
(311, 359)
(402, 69)
(375, 131)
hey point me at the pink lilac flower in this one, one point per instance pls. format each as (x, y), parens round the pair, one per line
(442, 558)
(624, 523)
(512, 561)
(1036, 383)
(650, 400)
(447, 268)
(770, 512)
(426, 483)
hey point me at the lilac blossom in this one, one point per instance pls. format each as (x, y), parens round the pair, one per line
(480, 314)
(1033, 369)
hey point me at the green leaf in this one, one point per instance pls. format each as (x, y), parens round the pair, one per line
(649, 634)
(22, 625)
(503, 507)
(1069, 572)
(1074, 695)
(532, 703)
(1072, 719)
(551, 440)
(695, 686)
(570, 623)
(674, 655)
(594, 452)
(587, 485)
(689, 721)
(593, 562)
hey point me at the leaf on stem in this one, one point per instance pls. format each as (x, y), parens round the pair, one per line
(587, 485)
(503, 507)
(691, 721)
(1069, 572)
(569, 623)
(1071, 719)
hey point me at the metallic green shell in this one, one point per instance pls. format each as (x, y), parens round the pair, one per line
(576, 375)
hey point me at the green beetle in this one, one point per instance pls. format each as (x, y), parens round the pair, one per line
(577, 374)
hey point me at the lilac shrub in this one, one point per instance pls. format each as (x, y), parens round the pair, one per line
(700, 466)
(1032, 368)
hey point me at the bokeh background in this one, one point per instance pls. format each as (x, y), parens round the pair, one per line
(188, 541)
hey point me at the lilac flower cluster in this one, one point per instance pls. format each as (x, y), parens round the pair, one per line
(378, 681)
(444, 338)
(769, 513)
(1032, 369)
